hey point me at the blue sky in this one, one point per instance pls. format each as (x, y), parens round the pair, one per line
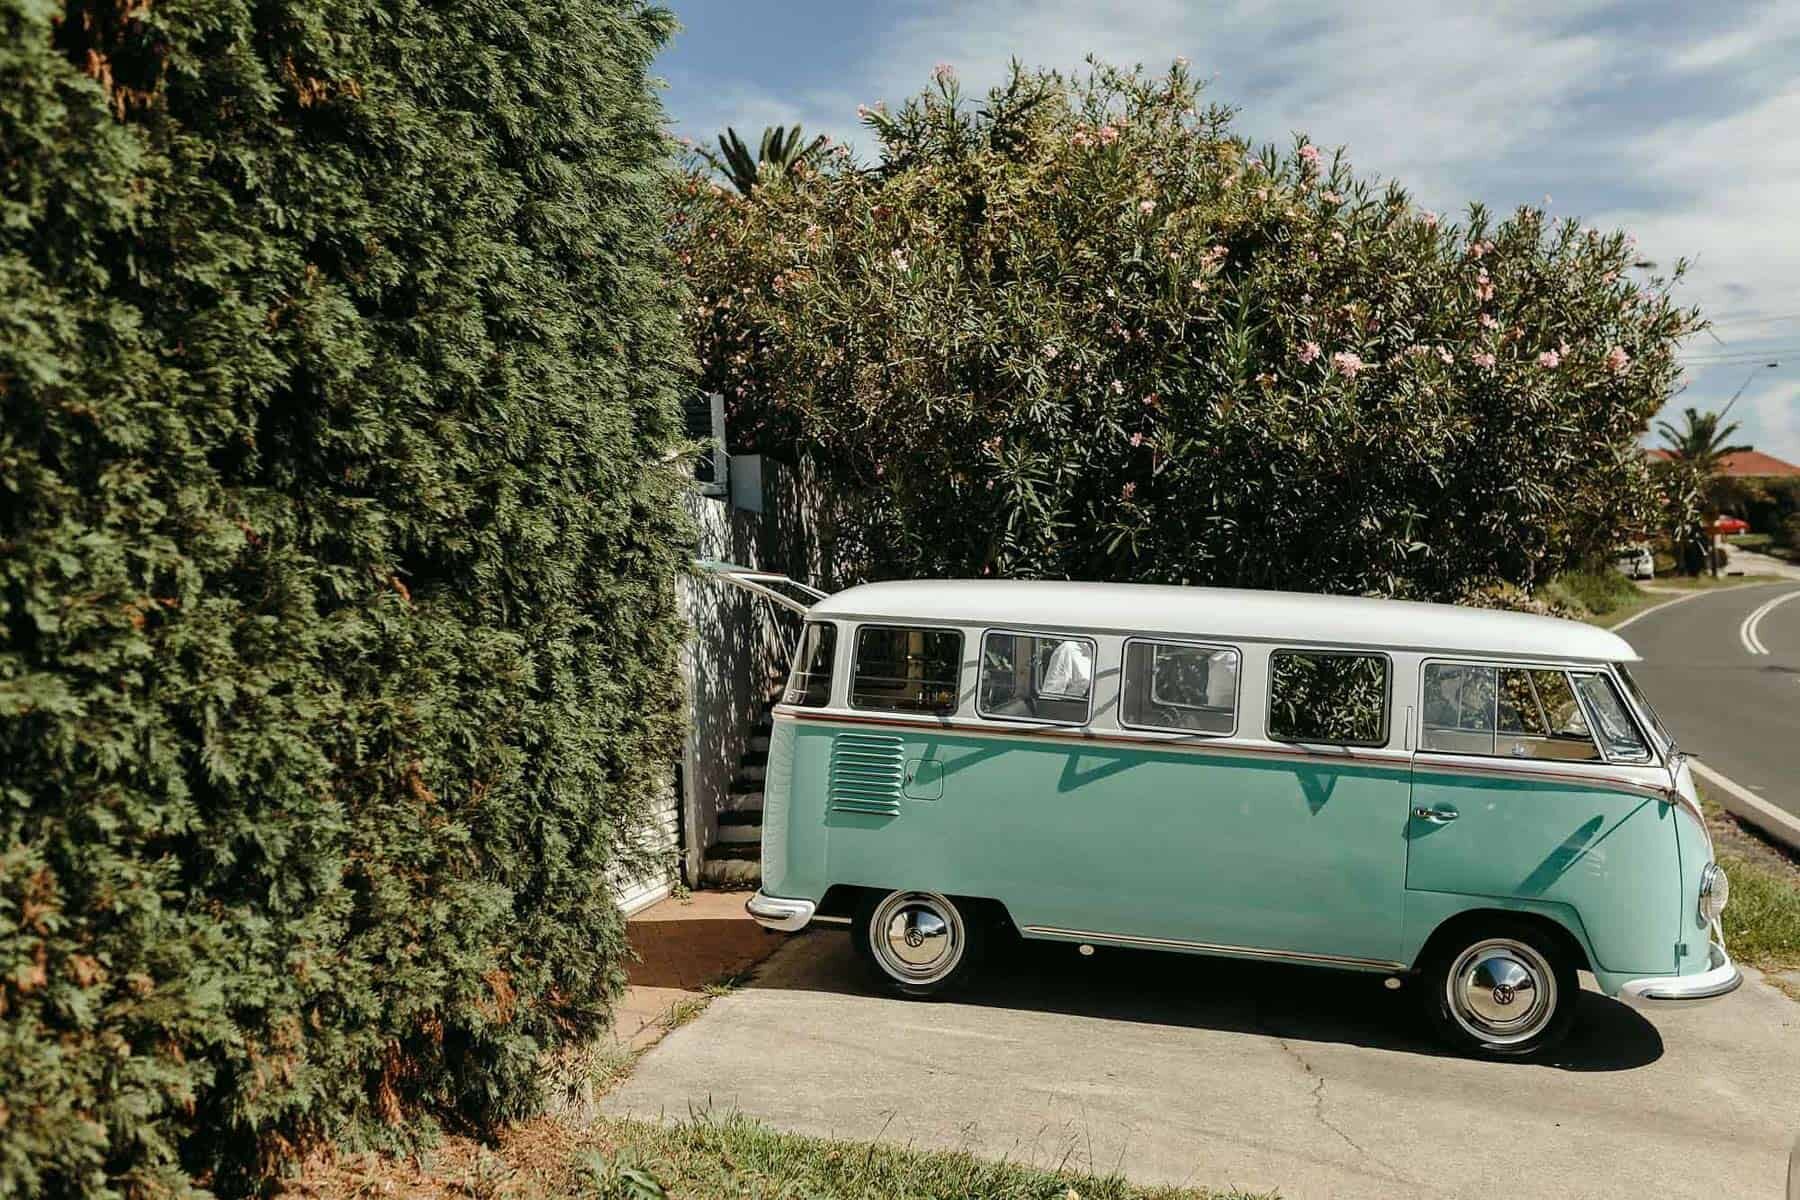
(1679, 122)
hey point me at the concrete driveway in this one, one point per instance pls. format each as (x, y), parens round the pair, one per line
(1183, 1070)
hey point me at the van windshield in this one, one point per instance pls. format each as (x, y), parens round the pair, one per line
(1642, 702)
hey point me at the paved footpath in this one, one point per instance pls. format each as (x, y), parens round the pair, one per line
(1181, 1070)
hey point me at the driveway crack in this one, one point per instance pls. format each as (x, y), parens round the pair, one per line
(1318, 1104)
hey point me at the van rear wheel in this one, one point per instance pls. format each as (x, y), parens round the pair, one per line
(1504, 989)
(919, 944)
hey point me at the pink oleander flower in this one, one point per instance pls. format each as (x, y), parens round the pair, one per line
(1484, 287)
(1609, 277)
(1488, 321)
(1445, 356)
(1331, 197)
(1109, 134)
(863, 112)
(1308, 352)
(1146, 206)
(1617, 361)
(1549, 359)
(1118, 388)
(944, 73)
(1137, 439)
(1429, 219)
(1309, 154)
(1346, 362)
(1482, 358)
(1152, 400)
(1199, 285)
(1051, 351)
(1181, 60)
(899, 258)
(1128, 491)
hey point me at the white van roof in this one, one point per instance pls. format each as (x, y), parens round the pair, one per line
(1229, 613)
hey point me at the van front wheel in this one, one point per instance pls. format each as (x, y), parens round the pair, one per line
(918, 943)
(1504, 990)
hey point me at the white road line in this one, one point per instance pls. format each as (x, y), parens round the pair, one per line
(1694, 595)
(1740, 800)
(1747, 631)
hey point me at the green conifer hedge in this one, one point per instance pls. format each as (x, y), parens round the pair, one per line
(339, 363)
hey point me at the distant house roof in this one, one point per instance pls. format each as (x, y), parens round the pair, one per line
(1746, 463)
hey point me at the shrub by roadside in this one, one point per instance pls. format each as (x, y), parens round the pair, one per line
(337, 632)
(1081, 328)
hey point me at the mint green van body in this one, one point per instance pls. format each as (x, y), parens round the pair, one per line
(1488, 769)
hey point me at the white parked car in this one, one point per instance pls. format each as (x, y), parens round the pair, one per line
(1635, 562)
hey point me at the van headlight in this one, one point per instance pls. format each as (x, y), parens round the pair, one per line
(1715, 891)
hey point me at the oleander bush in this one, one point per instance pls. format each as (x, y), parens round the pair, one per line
(1080, 328)
(338, 363)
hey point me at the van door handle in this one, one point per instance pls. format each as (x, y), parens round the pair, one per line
(1437, 816)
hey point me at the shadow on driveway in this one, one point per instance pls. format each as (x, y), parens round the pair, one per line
(1187, 991)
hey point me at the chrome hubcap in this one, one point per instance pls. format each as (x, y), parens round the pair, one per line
(917, 936)
(1501, 991)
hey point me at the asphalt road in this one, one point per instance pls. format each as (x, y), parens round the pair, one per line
(1173, 1069)
(1736, 710)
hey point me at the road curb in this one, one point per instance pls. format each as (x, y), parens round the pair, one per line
(1745, 804)
(1656, 608)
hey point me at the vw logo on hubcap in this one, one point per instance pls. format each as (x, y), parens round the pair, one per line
(1504, 993)
(914, 938)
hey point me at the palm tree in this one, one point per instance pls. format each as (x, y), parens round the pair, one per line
(1698, 450)
(1702, 442)
(779, 154)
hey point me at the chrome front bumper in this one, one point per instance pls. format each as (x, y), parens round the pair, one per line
(774, 912)
(1679, 991)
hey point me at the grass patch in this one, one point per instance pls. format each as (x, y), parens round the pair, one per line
(707, 1157)
(1596, 593)
(733, 1156)
(1762, 919)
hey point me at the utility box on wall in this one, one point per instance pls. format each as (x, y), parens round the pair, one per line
(746, 475)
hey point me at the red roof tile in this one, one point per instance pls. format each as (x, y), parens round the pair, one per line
(1746, 463)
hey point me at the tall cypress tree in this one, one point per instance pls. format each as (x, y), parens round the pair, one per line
(337, 634)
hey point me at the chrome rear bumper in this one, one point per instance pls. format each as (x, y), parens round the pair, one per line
(774, 912)
(1679, 991)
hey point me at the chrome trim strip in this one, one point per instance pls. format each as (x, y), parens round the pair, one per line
(1430, 761)
(1681, 991)
(777, 912)
(1398, 760)
(1154, 943)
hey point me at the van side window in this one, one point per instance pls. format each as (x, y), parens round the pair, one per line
(1328, 697)
(1030, 677)
(1616, 729)
(1509, 712)
(1179, 686)
(809, 684)
(906, 670)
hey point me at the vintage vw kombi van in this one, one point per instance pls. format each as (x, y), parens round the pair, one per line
(1480, 802)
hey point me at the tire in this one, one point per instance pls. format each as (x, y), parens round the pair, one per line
(919, 944)
(1501, 989)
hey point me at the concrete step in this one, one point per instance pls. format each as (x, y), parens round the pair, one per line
(740, 835)
(752, 774)
(730, 866)
(759, 744)
(746, 801)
